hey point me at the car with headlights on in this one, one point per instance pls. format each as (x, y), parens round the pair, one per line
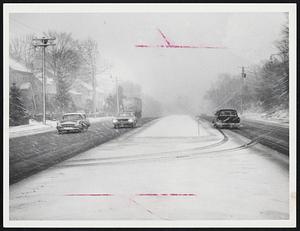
(125, 119)
(73, 122)
(226, 118)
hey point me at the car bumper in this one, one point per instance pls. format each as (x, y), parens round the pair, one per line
(123, 124)
(68, 128)
(228, 125)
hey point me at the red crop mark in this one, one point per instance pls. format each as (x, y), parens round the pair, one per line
(165, 38)
(166, 194)
(141, 45)
(140, 194)
(89, 194)
(168, 44)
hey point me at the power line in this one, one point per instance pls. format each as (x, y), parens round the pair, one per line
(24, 29)
(26, 26)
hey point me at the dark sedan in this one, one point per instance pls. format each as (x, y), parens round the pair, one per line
(226, 118)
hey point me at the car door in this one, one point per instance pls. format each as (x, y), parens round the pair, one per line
(215, 117)
(86, 122)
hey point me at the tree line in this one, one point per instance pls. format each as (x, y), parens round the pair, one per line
(265, 88)
(68, 60)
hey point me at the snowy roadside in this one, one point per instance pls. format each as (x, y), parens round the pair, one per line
(279, 117)
(29, 155)
(35, 127)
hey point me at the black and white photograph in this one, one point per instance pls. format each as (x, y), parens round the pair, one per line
(149, 115)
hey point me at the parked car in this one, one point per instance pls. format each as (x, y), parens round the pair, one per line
(73, 122)
(226, 118)
(125, 119)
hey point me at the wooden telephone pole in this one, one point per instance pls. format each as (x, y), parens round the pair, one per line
(242, 88)
(43, 42)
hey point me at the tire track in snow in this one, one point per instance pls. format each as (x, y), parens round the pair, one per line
(148, 210)
(223, 141)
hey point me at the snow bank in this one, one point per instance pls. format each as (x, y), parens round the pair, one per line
(278, 115)
(36, 127)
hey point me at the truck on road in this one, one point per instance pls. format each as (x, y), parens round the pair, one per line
(133, 104)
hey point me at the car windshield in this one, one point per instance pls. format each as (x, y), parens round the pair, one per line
(228, 113)
(72, 117)
(126, 114)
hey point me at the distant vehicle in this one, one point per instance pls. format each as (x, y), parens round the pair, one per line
(226, 118)
(73, 122)
(125, 119)
(133, 104)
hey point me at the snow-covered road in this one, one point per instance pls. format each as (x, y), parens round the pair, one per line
(166, 170)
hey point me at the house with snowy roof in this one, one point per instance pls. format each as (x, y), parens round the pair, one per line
(30, 85)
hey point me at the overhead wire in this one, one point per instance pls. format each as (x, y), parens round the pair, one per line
(29, 28)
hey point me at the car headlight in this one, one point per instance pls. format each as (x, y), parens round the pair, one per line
(58, 124)
(114, 121)
(130, 120)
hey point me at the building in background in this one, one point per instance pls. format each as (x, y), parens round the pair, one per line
(82, 95)
(30, 85)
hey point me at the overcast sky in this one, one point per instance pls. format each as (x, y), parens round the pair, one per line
(165, 73)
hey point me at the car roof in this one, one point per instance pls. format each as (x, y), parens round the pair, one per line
(127, 112)
(74, 113)
(227, 110)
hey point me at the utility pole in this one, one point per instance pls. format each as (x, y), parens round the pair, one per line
(117, 94)
(242, 88)
(198, 125)
(43, 42)
(94, 87)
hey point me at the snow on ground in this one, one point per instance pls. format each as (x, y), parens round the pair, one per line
(226, 181)
(278, 116)
(35, 127)
(99, 119)
(175, 126)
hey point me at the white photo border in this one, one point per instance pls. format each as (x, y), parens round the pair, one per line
(151, 8)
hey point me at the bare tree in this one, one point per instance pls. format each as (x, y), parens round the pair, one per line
(64, 61)
(21, 49)
(89, 51)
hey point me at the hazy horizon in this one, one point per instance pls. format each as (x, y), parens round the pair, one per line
(163, 73)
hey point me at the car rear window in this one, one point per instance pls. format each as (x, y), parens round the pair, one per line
(228, 113)
(126, 114)
(72, 117)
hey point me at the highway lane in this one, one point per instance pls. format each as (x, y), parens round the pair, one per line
(33, 153)
(273, 135)
(169, 170)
